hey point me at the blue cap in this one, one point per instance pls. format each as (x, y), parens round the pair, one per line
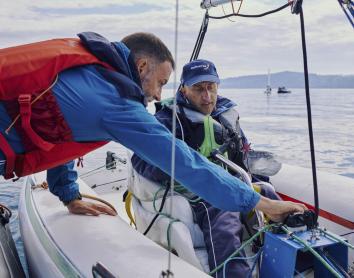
(199, 71)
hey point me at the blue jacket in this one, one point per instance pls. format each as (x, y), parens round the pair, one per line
(164, 115)
(96, 108)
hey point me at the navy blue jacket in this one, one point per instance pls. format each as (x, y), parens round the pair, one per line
(164, 116)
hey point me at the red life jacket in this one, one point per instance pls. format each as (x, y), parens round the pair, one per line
(27, 73)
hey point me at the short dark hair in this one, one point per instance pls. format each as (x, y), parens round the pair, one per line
(146, 44)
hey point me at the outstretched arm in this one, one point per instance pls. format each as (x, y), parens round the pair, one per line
(62, 183)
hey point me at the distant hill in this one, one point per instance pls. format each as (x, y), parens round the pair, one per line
(290, 80)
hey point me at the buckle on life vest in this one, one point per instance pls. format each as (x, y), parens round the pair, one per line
(24, 101)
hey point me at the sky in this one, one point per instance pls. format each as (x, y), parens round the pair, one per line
(242, 47)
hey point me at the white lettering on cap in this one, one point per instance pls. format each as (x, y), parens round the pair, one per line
(200, 66)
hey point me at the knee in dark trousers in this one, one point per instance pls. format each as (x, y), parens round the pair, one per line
(222, 232)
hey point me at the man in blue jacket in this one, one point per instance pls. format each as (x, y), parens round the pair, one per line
(205, 121)
(102, 105)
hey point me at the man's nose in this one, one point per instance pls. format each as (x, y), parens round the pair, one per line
(206, 94)
(157, 96)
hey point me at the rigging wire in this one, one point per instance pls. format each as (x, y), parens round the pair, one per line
(86, 174)
(233, 10)
(309, 115)
(110, 182)
(173, 151)
(252, 15)
(200, 38)
(350, 7)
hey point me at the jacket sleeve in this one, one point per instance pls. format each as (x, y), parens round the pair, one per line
(147, 170)
(62, 182)
(129, 123)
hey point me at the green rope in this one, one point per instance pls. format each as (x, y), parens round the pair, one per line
(335, 237)
(308, 247)
(169, 232)
(172, 220)
(247, 242)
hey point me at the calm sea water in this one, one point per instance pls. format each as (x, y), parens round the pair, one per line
(276, 123)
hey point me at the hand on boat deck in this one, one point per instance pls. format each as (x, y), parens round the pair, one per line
(89, 208)
(278, 210)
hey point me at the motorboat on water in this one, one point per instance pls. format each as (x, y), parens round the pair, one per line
(283, 90)
(60, 244)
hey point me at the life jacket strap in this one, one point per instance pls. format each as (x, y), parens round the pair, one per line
(24, 101)
(10, 157)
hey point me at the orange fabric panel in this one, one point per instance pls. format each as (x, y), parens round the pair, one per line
(30, 68)
(39, 160)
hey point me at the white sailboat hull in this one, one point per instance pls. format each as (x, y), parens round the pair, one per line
(60, 244)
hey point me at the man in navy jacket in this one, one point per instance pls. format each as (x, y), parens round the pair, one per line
(200, 112)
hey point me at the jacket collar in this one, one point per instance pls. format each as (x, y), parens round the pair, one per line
(115, 54)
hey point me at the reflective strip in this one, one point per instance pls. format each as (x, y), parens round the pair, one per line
(209, 144)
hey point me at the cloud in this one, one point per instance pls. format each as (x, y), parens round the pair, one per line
(246, 46)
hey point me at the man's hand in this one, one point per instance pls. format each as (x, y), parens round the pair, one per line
(278, 210)
(89, 208)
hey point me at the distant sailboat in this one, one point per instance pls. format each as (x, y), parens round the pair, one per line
(268, 89)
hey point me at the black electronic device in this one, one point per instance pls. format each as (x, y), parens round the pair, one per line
(296, 220)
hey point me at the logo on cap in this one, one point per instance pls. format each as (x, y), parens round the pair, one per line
(205, 67)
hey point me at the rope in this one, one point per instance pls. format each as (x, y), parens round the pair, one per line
(256, 256)
(233, 10)
(173, 151)
(333, 262)
(37, 98)
(247, 242)
(43, 185)
(169, 232)
(252, 15)
(128, 202)
(87, 196)
(160, 209)
(308, 247)
(211, 237)
(98, 168)
(97, 185)
(336, 238)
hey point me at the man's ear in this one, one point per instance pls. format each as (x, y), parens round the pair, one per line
(142, 65)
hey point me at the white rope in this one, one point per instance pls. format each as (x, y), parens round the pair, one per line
(211, 238)
(173, 130)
